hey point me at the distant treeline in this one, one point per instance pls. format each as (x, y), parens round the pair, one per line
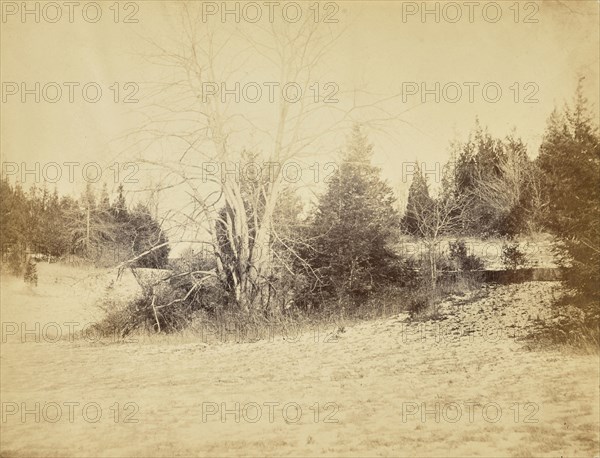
(94, 228)
(494, 188)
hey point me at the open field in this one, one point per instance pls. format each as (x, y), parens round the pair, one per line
(463, 386)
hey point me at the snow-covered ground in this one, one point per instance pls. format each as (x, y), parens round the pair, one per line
(462, 386)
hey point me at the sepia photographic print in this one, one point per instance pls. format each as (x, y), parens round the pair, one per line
(281, 228)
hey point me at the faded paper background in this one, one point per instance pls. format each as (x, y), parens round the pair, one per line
(380, 387)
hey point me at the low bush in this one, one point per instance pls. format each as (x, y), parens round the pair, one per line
(187, 299)
(574, 327)
(14, 262)
(460, 258)
(161, 309)
(512, 256)
(30, 276)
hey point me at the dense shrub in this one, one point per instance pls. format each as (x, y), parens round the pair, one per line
(144, 233)
(30, 276)
(512, 256)
(44, 224)
(570, 163)
(15, 262)
(460, 258)
(142, 314)
(352, 226)
(170, 301)
(498, 178)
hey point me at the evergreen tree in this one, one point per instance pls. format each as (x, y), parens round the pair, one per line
(42, 223)
(33, 230)
(353, 224)
(570, 163)
(104, 204)
(54, 239)
(494, 176)
(119, 206)
(13, 225)
(418, 198)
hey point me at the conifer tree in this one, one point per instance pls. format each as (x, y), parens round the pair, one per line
(353, 223)
(570, 163)
(418, 198)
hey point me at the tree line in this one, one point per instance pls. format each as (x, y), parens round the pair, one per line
(40, 223)
(494, 188)
(269, 254)
(344, 247)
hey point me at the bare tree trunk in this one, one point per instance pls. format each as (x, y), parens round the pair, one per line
(433, 266)
(208, 56)
(87, 230)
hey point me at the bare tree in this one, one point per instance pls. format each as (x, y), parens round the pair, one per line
(504, 187)
(500, 193)
(199, 120)
(435, 219)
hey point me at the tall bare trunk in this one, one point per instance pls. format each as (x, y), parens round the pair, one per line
(87, 230)
(433, 266)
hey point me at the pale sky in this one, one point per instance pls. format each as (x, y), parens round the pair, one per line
(379, 52)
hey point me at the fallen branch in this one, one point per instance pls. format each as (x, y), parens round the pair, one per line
(183, 298)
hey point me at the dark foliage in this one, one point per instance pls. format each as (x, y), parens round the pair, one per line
(461, 259)
(31, 276)
(352, 225)
(43, 224)
(570, 163)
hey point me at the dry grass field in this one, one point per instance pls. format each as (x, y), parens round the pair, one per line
(466, 385)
